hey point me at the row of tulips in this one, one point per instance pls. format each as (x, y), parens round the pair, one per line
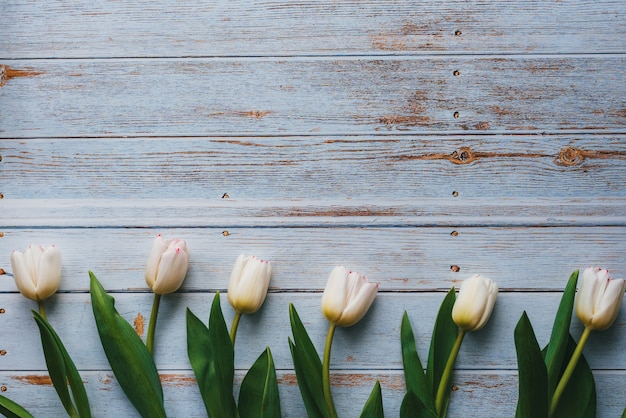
(555, 381)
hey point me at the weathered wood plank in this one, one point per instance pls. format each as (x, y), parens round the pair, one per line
(401, 259)
(164, 28)
(475, 389)
(381, 169)
(324, 96)
(371, 345)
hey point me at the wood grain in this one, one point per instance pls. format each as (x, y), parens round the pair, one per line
(323, 96)
(380, 170)
(402, 259)
(277, 28)
(472, 391)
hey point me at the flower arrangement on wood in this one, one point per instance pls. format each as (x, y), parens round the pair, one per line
(546, 377)
(347, 298)
(211, 349)
(428, 392)
(37, 274)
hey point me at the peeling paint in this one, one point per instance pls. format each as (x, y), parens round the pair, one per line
(7, 73)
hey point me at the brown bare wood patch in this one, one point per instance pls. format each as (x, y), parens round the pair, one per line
(7, 73)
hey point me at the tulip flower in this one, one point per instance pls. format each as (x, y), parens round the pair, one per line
(599, 299)
(37, 272)
(347, 297)
(474, 303)
(597, 305)
(165, 272)
(247, 287)
(470, 312)
(167, 265)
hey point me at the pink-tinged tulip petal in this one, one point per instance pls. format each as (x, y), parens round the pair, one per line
(598, 299)
(475, 302)
(347, 297)
(37, 271)
(248, 285)
(167, 265)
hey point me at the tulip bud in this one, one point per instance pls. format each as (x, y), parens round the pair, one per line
(248, 284)
(37, 271)
(347, 297)
(167, 265)
(474, 304)
(599, 298)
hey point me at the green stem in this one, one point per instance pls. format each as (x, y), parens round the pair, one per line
(444, 383)
(328, 397)
(233, 328)
(560, 388)
(42, 309)
(153, 320)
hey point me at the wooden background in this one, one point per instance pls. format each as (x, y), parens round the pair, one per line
(415, 142)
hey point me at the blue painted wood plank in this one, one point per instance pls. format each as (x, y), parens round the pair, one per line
(323, 96)
(400, 259)
(472, 392)
(166, 28)
(376, 168)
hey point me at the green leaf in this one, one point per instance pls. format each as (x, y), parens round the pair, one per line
(258, 396)
(413, 407)
(414, 376)
(533, 376)
(212, 359)
(555, 353)
(199, 353)
(129, 358)
(62, 370)
(374, 405)
(308, 367)
(579, 396)
(443, 338)
(10, 409)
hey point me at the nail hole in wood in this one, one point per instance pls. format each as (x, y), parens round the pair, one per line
(458, 33)
(456, 115)
(456, 73)
(2, 272)
(225, 196)
(1, 196)
(2, 310)
(3, 388)
(454, 233)
(455, 268)
(225, 233)
(3, 352)
(1, 234)
(0, 157)
(455, 388)
(455, 193)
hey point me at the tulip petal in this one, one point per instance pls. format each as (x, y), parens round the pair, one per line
(235, 277)
(360, 304)
(335, 293)
(49, 273)
(474, 303)
(171, 272)
(158, 248)
(608, 306)
(21, 274)
(252, 287)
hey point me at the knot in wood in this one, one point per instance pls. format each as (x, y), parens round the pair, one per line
(463, 156)
(570, 156)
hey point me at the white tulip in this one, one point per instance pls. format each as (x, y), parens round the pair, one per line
(474, 303)
(347, 297)
(37, 271)
(599, 298)
(248, 283)
(167, 265)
